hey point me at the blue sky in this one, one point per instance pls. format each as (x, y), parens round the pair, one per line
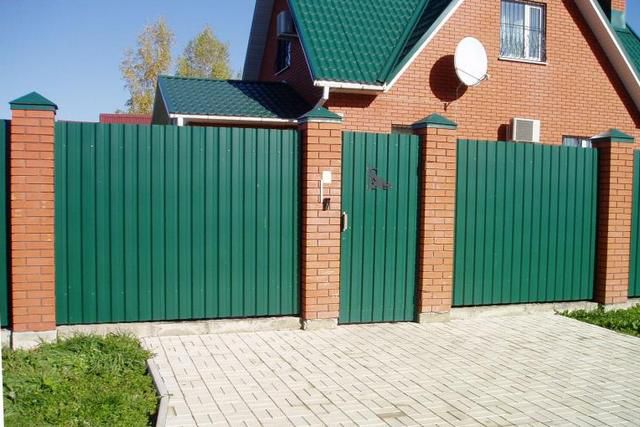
(70, 50)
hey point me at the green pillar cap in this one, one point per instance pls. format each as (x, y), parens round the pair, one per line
(320, 114)
(33, 101)
(435, 121)
(613, 135)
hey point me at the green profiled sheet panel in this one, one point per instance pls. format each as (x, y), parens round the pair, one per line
(525, 223)
(4, 224)
(378, 260)
(634, 276)
(171, 223)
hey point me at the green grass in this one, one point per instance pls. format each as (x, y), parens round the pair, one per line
(81, 381)
(626, 321)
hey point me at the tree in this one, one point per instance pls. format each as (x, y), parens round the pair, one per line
(141, 68)
(205, 56)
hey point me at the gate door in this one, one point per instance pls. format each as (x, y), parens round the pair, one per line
(380, 204)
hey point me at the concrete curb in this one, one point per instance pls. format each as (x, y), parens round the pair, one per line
(161, 389)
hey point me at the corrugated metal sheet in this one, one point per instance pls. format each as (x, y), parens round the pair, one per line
(634, 276)
(4, 224)
(525, 223)
(378, 260)
(165, 223)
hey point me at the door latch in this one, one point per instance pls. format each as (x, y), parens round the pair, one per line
(344, 219)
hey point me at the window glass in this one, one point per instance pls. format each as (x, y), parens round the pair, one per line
(522, 30)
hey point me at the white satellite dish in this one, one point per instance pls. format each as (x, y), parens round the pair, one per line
(471, 61)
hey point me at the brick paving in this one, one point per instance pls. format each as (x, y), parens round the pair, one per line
(527, 370)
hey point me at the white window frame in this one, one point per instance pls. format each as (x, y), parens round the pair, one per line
(527, 32)
(585, 142)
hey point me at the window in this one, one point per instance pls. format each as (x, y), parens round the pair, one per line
(576, 141)
(522, 34)
(401, 129)
(283, 56)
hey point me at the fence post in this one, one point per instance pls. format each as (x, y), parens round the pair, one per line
(31, 164)
(437, 216)
(615, 201)
(321, 143)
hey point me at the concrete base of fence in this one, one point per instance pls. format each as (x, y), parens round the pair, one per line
(5, 337)
(519, 309)
(631, 302)
(433, 317)
(28, 340)
(318, 324)
(198, 327)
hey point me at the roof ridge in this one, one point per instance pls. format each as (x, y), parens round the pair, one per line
(397, 50)
(166, 76)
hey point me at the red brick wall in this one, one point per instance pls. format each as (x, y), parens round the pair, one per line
(32, 215)
(619, 4)
(322, 144)
(297, 75)
(615, 196)
(435, 270)
(576, 93)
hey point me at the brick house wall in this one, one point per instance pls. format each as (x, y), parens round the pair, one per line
(297, 75)
(576, 93)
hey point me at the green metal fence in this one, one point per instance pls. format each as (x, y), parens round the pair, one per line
(634, 276)
(165, 223)
(380, 190)
(525, 223)
(4, 224)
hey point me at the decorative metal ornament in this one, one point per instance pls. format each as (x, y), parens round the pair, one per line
(375, 182)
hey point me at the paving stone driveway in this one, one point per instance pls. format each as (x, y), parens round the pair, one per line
(536, 369)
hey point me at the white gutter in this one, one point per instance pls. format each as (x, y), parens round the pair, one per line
(342, 86)
(601, 28)
(184, 118)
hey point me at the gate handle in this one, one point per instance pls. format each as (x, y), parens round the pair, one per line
(345, 221)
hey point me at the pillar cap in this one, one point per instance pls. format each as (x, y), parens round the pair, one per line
(435, 121)
(613, 135)
(320, 115)
(33, 101)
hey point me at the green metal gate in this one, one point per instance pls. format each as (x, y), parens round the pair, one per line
(380, 198)
(525, 223)
(634, 276)
(166, 223)
(4, 224)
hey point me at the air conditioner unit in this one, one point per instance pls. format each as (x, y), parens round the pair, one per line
(285, 26)
(525, 130)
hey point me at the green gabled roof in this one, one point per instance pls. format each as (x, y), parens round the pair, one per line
(33, 101)
(269, 100)
(631, 44)
(363, 41)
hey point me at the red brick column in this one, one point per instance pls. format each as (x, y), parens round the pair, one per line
(615, 200)
(321, 142)
(437, 216)
(32, 220)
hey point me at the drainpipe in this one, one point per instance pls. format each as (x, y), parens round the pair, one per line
(325, 96)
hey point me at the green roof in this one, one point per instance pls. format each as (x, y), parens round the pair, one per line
(436, 121)
(364, 41)
(613, 135)
(631, 44)
(33, 101)
(321, 114)
(207, 97)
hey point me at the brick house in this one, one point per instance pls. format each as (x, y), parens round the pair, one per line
(348, 178)
(388, 66)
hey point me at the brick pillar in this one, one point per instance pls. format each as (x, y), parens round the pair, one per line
(321, 142)
(31, 220)
(615, 200)
(437, 216)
